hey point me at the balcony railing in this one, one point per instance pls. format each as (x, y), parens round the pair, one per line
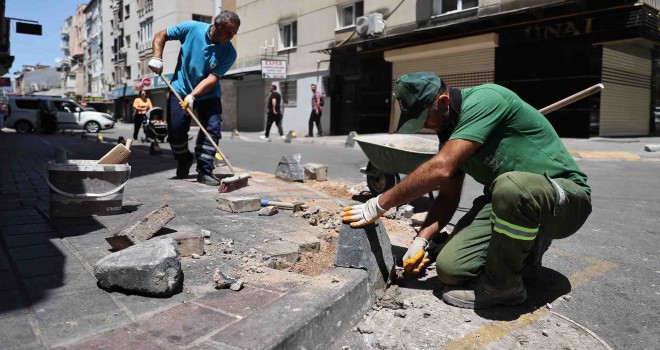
(144, 46)
(147, 8)
(65, 30)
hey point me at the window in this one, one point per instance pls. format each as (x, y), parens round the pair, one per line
(289, 35)
(202, 18)
(349, 13)
(146, 30)
(127, 40)
(289, 92)
(26, 104)
(127, 11)
(441, 7)
(128, 72)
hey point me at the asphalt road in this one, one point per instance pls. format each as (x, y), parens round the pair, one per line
(612, 262)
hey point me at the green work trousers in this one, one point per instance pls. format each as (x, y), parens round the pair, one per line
(501, 229)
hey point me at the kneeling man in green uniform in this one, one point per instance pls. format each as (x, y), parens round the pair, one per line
(534, 191)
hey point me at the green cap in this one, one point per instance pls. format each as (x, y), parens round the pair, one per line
(415, 93)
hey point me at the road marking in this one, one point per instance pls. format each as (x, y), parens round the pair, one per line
(614, 155)
(499, 329)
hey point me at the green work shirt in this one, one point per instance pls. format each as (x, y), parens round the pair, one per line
(514, 137)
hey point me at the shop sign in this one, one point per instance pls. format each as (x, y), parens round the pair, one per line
(273, 69)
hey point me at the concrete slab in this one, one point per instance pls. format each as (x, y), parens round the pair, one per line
(141, 225)
(366, 248)
(235, 204)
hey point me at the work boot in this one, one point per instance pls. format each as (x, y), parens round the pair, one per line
(208, 179)
(478, 294)
(183, 168)
(533, 261)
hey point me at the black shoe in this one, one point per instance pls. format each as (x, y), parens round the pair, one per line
(208, 179)
(183, 168)
(308, 135)
(320, 134)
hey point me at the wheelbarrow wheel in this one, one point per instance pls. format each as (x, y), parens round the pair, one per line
(378, 181)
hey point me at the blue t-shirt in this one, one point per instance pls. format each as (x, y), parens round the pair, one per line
(199, 57)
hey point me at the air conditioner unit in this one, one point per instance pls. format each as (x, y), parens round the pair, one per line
(370, 25)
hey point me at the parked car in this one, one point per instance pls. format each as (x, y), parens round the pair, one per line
(22, 114)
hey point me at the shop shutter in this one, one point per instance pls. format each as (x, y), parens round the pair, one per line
(626, 100)
(458, 70)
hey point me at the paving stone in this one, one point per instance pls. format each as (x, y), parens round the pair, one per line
(122, 338)
(235, 303)
(190, 241)
(4, 263)
(66, 282)
(16, 332)
(367, 248)
(141, 225)
(152, 267)
(25, 229)
(7, 280)
(29, 239)
(210, 344)
(235, 204)
(315, 171)
(35, 252)
(40, 267)
(21, 220)
(185, 324)
(63, 317)
(289, 168)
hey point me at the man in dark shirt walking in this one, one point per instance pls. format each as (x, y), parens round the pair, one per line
(274, 113)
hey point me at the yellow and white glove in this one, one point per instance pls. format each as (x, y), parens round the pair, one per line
(416, 258)
(363, 214)
(188, 102)
(156, 65)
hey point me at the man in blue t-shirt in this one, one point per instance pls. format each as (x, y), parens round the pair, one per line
(205, 56)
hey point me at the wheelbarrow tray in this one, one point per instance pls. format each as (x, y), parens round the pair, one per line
(397, 153)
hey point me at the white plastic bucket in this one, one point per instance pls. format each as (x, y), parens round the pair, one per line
(80, 188)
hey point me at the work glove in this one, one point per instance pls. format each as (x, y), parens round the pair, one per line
(188, 102)
(416, 258)
(156, 65)
(363, 214)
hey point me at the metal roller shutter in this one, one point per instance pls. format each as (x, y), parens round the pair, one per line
(625, 102)
(458, 70)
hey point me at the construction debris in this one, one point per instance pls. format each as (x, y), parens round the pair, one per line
(289, 168)
(234, 204)
(190, 241)
(652, 148)
(151, 268)
(268, 211)
(404, 212)
(141, 225)
(314, 171)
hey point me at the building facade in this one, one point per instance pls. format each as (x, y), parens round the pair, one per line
(93, 53)
(128, 29)
(544, 50)
(288, 34)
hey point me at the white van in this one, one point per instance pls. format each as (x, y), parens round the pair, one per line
(22, 114)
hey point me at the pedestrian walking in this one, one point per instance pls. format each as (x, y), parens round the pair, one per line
(141, 105)
(46, 117)
(206, 55)
(274, 113)
(534, 191)
(317, 111)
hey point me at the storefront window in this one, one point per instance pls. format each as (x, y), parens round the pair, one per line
(289, 92)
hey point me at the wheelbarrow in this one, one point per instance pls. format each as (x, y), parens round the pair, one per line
(391, 155)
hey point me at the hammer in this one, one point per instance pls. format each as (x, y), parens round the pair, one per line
(295, 206)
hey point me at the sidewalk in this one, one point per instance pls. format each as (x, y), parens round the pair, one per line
(49, 297)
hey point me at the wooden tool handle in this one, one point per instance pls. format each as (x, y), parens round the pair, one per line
(128, 144)
(194, 117)
(570, 99)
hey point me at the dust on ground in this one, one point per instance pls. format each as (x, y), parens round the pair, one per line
(315, 263)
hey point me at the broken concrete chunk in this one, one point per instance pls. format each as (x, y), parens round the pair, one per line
(221, 280)
(236, 286)
(268, 211)
(152, 267)
(315, 171)
(141, 225)
(419, 218)
(652, 148)
(289, 168)
(235, 204)
(190, 241)
(367, 248)
(405, 212)
(195, 256)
